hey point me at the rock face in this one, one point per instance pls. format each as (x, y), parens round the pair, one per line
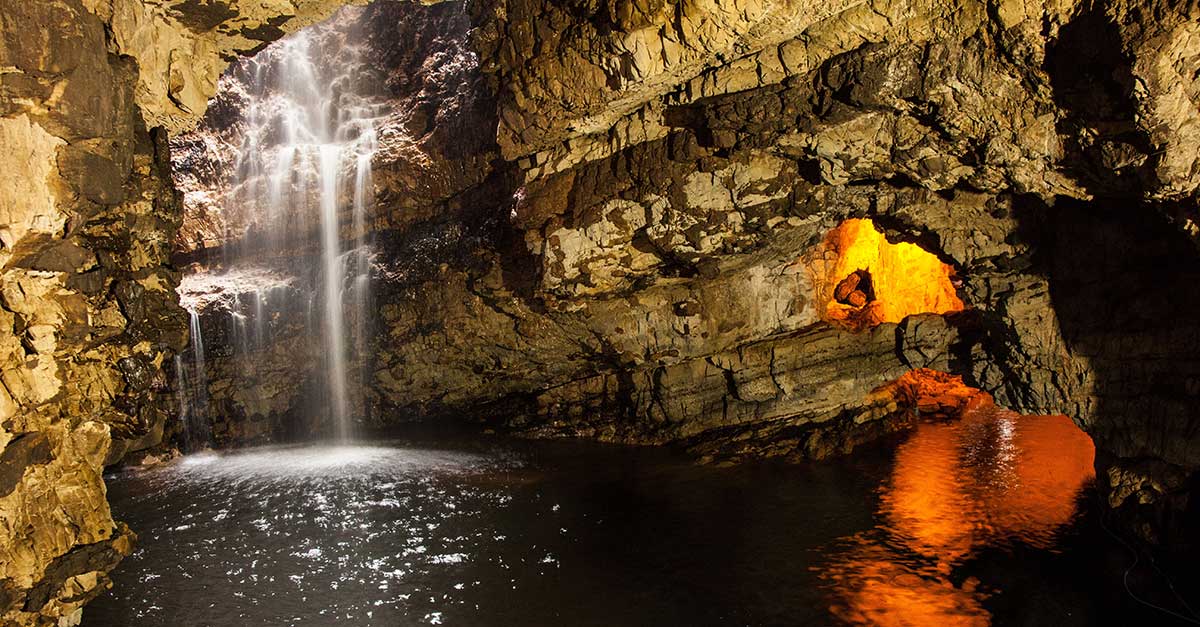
(612, 220)
(667, 153)
(674, 172)
(88, 308)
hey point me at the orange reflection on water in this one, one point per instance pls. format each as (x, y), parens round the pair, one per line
(874, 585)
(991, 479)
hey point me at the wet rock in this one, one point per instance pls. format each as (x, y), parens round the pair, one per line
(139, 373)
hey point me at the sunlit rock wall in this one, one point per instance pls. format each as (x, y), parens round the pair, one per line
(88, 309)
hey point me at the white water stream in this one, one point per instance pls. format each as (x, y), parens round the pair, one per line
(303, 171)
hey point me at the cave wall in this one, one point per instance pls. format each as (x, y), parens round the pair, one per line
(1016, 140)
(669, 230)
(88, 308)
(670, 165)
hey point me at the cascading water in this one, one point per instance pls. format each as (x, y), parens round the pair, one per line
(330, 159)
(192, 389)
(303, 175)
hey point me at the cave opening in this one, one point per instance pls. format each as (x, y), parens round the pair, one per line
(864, 280)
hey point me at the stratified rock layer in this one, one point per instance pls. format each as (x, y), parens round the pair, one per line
(677, 168)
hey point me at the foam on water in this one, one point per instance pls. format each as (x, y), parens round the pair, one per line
(325, 461)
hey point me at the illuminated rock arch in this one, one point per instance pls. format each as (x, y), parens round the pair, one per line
(862, 280)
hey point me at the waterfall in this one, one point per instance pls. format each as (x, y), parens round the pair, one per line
(191, 389)
(303, 177)
(326, 147)
(335, 328)
(197, 340)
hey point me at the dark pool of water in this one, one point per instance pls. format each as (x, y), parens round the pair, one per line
(981, 521)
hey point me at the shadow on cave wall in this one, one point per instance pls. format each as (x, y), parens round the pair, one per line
(1123, 282)
(1092, 84)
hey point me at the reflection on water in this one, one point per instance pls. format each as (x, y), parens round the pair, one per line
(284, 533)
(959, 524)
(992, 479)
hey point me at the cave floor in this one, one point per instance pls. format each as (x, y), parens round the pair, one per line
(985, 520)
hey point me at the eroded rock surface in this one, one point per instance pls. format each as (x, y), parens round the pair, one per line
(1039, 148)
(670, 184)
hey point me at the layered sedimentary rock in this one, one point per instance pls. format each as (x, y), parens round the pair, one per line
(1042, 149)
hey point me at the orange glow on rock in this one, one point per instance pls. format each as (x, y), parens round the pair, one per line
(863, 280)
(933, 393)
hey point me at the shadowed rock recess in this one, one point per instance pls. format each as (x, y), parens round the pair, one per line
(622, 220)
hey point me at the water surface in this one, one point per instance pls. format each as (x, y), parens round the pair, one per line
(980, 521)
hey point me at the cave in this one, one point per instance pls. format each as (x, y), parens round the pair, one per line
(876, 281)
(621, 313)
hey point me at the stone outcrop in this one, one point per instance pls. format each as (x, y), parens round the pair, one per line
(605, 220)
(88, 308)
